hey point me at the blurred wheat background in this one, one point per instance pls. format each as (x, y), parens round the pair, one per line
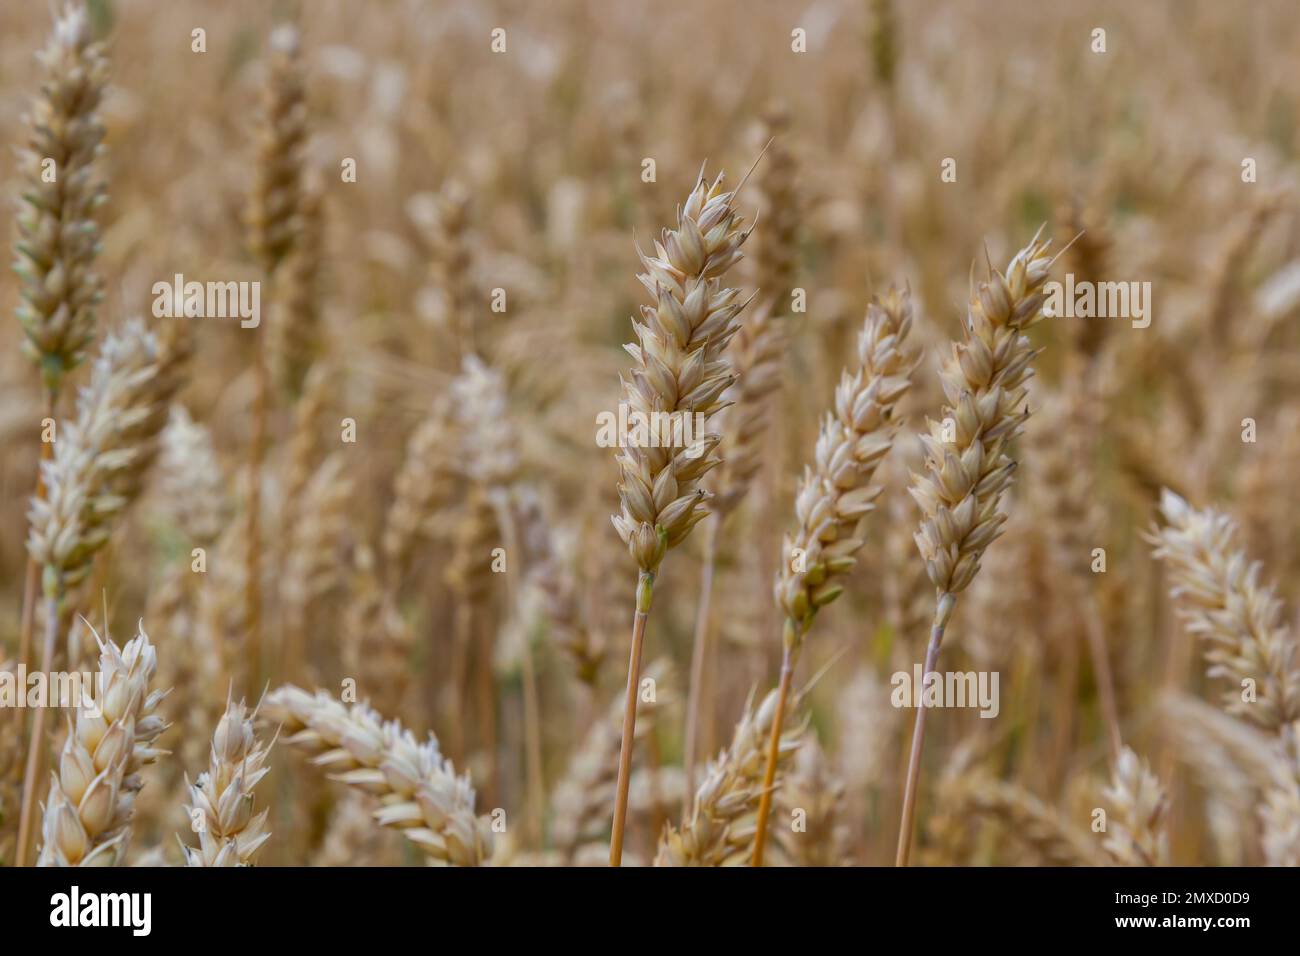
(461, 306)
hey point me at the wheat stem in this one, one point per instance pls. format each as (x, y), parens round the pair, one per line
(644, 595)
(699, 652)
(36, 746)
(789, 657)
(943, 609)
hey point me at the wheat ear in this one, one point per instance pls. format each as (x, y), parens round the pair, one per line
(88, 811)
(221, 801)
(1222, 599)
(417, 787)
(1134, 834)
(967, 467)
(679, 369)
(837, 493)
(722, 828)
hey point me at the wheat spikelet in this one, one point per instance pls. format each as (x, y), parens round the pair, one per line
(836, 492)
(417, 787)
(1135, 826)
(275, 204)
(679, 369)
(1221, 599)
(221, 801)
(88, 811)
(722, 825)
(58, 235)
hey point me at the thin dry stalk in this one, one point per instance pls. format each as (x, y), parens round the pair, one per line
(273, 228)
(582, 796)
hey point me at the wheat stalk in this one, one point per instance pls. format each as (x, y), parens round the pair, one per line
(417, 787)
(985, 381)
(1221, 598)
(582, 795)
(88, 812)
(274, 222)
(837, 493)
(678, 369)
(221, 801)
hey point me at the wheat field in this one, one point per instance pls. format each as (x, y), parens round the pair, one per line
(846, 433)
